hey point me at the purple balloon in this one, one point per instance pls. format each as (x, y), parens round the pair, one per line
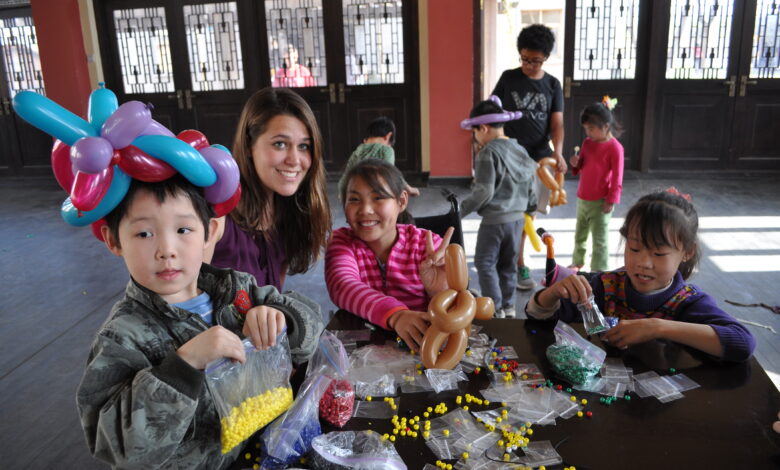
(227, 175)
(91, 154)
(127, 123)
(155, 128)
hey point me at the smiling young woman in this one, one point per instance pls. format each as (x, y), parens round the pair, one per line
(282, 222)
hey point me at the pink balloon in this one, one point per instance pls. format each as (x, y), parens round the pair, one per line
(227, 175)
(224, 208)
(88, 189)
(155, 128)
(142, 166)
(194, 138)
(127, 123)
(91, 154)
(61, 165)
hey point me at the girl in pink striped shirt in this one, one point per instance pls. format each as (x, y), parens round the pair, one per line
(600, 166)
(378, 269)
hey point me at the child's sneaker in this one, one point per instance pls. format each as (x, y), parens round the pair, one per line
(508, 312)
(524, 281)
(499, 313)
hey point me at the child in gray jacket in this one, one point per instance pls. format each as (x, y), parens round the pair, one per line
(503, 190)
(143, 400)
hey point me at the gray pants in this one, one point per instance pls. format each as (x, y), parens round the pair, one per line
(495, 259)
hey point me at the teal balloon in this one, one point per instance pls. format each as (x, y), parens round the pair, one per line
(116, 192)
(102, 104)
(180, 155)
(52, 118)
(222, 147)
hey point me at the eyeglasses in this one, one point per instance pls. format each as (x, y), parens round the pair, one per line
(535, 62)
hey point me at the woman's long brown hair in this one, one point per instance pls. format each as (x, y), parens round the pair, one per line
(303, 220)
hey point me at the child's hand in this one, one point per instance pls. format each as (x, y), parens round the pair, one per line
(575, 288)
(215, 343)
(561, 166)
(410, 326)
(629, 332)
(574, 161)
(432, 273)
(776, 424)
(263, 324)
(606, 207)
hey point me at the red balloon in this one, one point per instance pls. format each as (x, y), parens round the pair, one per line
(194, 138)
(142, 166)
(96, 228)
(224, 208)
(89, 188)
(61, 166)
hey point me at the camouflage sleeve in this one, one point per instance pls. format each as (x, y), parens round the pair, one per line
(304, 321)
(132, 412)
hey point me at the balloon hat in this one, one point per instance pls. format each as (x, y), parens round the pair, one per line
(95, 161)
(492, 118)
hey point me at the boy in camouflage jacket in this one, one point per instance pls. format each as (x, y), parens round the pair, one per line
(142, 400)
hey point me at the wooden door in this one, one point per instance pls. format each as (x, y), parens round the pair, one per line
(756, 130)
(188, 59)
(606, 55)
(24, 150)
(352, 60)
(718, 103)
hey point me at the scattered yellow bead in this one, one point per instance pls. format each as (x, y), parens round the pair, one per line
(465, 455)
(530, 432)
(446, 432)
(426, 414)
(392, 438)
(369, 398)
(465, 408)
(426, 434)
(486, 402)
(256, 467)
(449, 466)
(573, 398)
(584, 401)
(580, 414)
(498, 419)
(248, 456)
(506, 457)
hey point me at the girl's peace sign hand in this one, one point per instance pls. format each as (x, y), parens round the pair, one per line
(432, 273)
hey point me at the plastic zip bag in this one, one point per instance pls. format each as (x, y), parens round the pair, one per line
(330, 359)
(573, 357)
(248, 396)
(360, 450)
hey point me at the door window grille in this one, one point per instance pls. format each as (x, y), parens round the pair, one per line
(20, 55)
(214, 46)
(699, 35)
(605, 39)
(373, 42)
(296, 43)
(765, 60)
(144, 51)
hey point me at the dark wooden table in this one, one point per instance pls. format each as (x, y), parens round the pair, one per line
(725, 423)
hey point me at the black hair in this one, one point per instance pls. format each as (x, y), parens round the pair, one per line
(599, 115)
(487, 107)
(380, 127)
(536, 37)
(174, 186)
(663, 218)
(381, 176)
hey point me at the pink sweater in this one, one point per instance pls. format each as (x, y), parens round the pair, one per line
(601, 171)
(355, 281)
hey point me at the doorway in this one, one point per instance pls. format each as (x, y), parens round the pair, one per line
(197, 62)
(24, 150)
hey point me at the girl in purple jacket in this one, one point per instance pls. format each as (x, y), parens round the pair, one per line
(649, 294)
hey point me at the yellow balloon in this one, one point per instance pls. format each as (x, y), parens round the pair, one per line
(530, 231)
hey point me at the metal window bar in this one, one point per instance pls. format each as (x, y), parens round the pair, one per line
(699, 36)
(605, 39)
(19, 48)
(296, 43)
(144, 50)
(765, 59)
(214, 46)
(373, 41)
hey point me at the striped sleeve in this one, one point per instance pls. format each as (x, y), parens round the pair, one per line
(349, 289)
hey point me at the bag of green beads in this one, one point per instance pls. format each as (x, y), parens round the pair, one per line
(250, 395)
(572, 357)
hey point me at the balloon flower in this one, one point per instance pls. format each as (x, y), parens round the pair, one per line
(95, 160)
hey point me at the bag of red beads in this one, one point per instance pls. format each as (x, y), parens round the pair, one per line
(337, 403)
(331, 360)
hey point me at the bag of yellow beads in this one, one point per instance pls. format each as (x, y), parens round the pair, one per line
(248, 396)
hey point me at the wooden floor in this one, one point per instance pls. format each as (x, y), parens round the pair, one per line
(57, 284)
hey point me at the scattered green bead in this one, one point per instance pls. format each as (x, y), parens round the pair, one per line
(672, 370)
(628, 397)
